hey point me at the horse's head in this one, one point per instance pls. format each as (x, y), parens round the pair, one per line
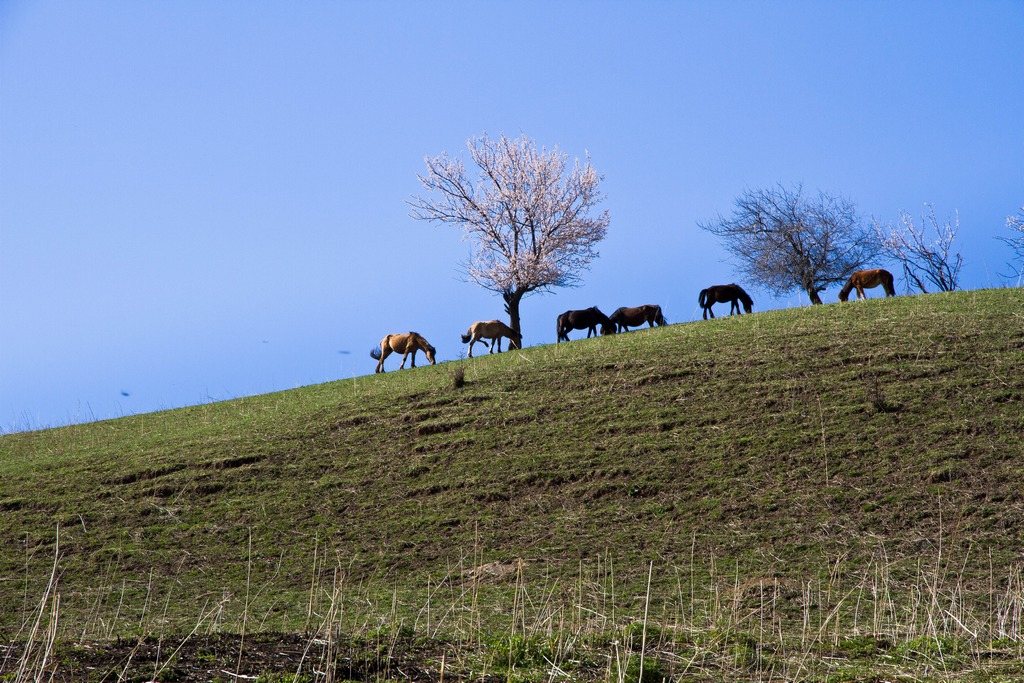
(748, 303)
(608, 328)
(431, 353)
(844, 293)
(516, 342)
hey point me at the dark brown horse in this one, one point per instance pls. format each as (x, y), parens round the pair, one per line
(624, 318)
(493, 330)
(866, 279)
(407, 343)
(732, 294)
(588, 318)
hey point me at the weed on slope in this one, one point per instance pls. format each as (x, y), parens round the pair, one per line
(801, 456)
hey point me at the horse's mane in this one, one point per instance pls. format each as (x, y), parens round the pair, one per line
(743, 295)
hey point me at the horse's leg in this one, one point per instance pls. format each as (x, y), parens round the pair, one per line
(471, 342)
(385, 351)
(497, 342)
(860, 293)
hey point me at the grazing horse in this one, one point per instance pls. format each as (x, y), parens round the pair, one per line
(493, 330)
(624, 317)
(407, 343)
(588, 318)
(733, 294)
(866, 279)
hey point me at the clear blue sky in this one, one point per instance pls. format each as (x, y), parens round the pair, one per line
(205, 200)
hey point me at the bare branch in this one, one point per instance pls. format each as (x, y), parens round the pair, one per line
(1015, 224)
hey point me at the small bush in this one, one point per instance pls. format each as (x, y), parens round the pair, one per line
(931, 648)
(520, 651)
(633, 634)
(653, 671)
(861, 646)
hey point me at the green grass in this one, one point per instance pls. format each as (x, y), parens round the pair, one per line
(797, 483)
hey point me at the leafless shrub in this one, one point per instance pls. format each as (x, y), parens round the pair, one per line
(926, 261)
(785, 241)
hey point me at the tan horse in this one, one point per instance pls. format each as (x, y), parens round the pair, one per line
(407, 343)
(866, 279)
(493, 330)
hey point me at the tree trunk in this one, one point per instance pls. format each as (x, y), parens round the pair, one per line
(512, 300)
(812, 294)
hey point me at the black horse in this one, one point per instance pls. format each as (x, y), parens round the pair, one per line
(732, 294)
(588, 318)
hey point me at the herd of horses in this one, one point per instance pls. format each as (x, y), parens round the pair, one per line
(590, 319)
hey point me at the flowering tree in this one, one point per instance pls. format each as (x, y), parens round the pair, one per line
(785, 241)
(525, 213)
(925, 261)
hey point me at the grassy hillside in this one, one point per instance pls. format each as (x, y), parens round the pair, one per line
(793, 479)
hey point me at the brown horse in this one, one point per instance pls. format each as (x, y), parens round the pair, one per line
(588, 318)
(866, 279)
(733, 294)
(407, 343)
(624, 318)
(493, 330)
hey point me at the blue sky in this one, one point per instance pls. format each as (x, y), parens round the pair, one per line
(205, 200)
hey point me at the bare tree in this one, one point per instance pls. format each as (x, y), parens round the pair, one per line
(785, 241)
(925, 261)
(525, 213)
(1015, 224)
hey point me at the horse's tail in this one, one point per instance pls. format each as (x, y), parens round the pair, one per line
(466, 337)
(375, 353)
(702, 299)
